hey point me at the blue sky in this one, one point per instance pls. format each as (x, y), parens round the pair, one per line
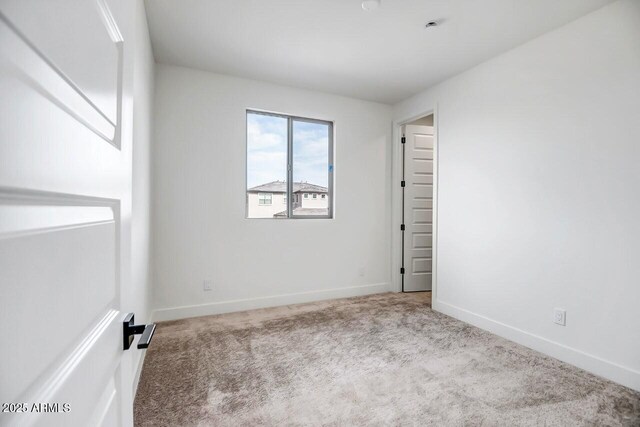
(267, 151)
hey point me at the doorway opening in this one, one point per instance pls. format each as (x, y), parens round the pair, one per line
(417, 198)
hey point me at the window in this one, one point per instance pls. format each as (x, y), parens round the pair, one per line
(264, 198)
(287, 154)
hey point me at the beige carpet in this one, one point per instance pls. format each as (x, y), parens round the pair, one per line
(379, 360)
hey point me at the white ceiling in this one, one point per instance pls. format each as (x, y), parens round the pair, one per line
(334, 46)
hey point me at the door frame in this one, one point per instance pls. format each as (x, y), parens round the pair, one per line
(396, 202)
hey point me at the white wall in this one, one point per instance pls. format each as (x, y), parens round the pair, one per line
(539, 192)
(199, 200)
(143, 76)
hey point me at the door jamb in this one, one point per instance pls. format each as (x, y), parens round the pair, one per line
(396, 202)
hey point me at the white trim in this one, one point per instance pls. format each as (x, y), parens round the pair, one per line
(109, 22)
(173, 313)
(396, 201)
(436, 180)
(607, 369)
(138, 374)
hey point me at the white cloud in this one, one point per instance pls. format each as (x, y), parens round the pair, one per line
(265, 167)
(259, 140)
(311, 154)
(266, 149)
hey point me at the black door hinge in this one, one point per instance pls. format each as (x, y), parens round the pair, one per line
(401, 227)
(402, 183)
(401, 270)
(403, 140)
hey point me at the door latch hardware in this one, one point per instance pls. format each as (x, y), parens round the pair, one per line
(129, 330)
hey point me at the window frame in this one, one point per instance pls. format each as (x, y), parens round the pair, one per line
(265, 198)
(330, 161)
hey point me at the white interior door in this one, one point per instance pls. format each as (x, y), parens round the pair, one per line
(65, 200)
(418, 207)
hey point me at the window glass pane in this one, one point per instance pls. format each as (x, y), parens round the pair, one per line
(266, 164)
(311, 166)
(264, 199)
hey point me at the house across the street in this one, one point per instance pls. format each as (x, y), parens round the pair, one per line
(270, 200)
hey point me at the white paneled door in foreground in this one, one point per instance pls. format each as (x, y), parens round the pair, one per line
(65, 200)
(418, 207)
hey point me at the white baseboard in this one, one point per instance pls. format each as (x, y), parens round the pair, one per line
(183, 312)
(604, 368)
(138, 373)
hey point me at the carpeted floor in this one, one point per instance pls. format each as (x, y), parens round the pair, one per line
(378, 360)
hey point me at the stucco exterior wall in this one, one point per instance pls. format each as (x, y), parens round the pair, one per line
(255, 210)
(318, 202)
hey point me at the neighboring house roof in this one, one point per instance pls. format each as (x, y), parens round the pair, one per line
(270, 187)
(304, 211)
(281, 187)
(304, 187)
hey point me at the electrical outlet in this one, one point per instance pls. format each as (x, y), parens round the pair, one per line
(361, 272)
(207, 285)
(559, 316)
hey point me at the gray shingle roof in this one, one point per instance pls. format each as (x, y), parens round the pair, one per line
(305, 187)
(281, 187)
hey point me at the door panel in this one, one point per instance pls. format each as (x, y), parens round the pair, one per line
(48, 267)
(421, 265)
(65, 189)
(421, 216)
(66, 30)
(418, 200)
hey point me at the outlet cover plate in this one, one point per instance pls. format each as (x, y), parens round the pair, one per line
(560, 316)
